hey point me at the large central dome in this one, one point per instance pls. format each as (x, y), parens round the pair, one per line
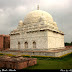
(37, 16)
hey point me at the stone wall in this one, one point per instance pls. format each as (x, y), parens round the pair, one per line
(17, 63)
(39, 37)
(7, 41)
(4, 41)
(45, 40)
(56, 53)
(14, 41)
(55, 40)
(1, 42)
(61, 53)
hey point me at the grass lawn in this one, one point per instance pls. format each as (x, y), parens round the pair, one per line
(53, 63)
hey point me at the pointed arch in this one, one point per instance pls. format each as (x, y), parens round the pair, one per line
(34, 44)
(26, 45)
(18, 45)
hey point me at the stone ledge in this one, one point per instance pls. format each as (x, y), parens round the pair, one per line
(52, 53)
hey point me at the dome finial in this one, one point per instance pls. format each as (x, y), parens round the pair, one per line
(37, 7)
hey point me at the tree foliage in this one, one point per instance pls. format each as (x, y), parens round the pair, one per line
(68, 44)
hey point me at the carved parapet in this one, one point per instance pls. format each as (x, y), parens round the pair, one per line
(14, 32)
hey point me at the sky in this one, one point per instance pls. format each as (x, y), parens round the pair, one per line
(12, 11)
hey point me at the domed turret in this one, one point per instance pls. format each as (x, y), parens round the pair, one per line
(20, 23)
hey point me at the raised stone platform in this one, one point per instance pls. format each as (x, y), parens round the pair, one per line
(50, 53)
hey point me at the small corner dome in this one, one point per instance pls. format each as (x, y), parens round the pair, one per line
(36, 15)
(20, 22)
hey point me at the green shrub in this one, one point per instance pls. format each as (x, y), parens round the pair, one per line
(9, 55)
(25, 55)
(1, 54)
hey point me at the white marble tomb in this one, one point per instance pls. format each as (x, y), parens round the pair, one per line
(38, 32)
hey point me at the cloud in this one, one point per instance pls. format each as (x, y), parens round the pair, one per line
(10, 17)
(21, 9)
(54, 4)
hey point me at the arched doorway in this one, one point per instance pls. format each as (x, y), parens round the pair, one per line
(18, 45)
(34, 44)
(26, 45)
